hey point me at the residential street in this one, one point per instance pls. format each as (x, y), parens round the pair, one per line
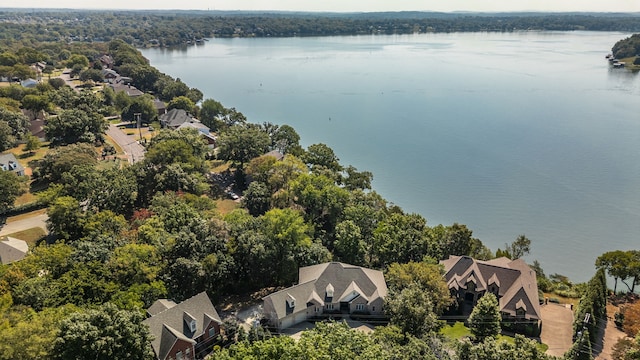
(24, 224)
(134, 151)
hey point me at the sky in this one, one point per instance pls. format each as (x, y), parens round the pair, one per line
(342, 5)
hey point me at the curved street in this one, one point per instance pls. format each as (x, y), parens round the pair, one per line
(133, 149)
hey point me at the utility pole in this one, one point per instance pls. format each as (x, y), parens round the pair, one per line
(138, 116)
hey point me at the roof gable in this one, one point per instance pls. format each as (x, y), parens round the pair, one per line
(318, 280)
(197, 308)
(12, 249)
(516, 281)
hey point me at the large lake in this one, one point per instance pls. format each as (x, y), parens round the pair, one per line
(509, 133)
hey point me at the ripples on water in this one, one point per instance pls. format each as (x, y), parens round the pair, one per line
(508, 133)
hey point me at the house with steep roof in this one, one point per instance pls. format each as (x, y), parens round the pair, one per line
(513, 283)
(130, 90)
(12, 249)
(185, 330)
(176, 117)
(327, 289)
(8, 162)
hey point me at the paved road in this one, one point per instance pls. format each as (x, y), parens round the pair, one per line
(24, 224)
(557, 329)
(133, 150)
(66, 76)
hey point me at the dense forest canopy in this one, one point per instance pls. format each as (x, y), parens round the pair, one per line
(163, 28)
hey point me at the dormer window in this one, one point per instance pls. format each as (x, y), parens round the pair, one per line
(329, 291)
(291, 301)
(190, 321)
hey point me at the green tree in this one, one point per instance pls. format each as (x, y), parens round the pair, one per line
(411, 309)
(11, 186)
(72, 126)
(428, 276)
(240, 144)
(60, 160)
(182, 102)
(484, 320)
(31, 144)
(13, 127)
(36, 103)
(349, 245)
(103, 333)
(66, 219)
(209, 112)
(142, 105)
(78, 59)
(323, 156)
(286, 140)
(257, 198)
(616, 264)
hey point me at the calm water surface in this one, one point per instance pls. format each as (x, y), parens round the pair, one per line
(522, 133)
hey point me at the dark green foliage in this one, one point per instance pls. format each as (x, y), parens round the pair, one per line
(72, 126)
(11, 186)
(627, 47)
(239, 144)
(104, 333)
(13, 127)
(484, 320)
(411, 309)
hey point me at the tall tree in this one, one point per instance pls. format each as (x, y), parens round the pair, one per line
(411, 309)
(240, 144)
(484, 320)
(10, 188)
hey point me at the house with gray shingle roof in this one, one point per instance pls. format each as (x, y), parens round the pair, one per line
(12, 249)
(329, 288)
(8, 162)
(185, 330)
(513, 283)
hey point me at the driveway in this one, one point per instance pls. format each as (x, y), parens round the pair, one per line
(133, 150)
(24, 224)
(557, 328)
(66, 76)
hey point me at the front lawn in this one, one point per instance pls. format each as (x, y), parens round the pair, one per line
(458, 332)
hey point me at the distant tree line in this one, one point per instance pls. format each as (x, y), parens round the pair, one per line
(158, 28)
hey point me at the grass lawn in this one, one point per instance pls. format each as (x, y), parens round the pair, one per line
(628, 63)
(218, 166)
(26, 215)
(561, 299)
(226, 206)
(458, 331)
(25, 198)
(31, 236)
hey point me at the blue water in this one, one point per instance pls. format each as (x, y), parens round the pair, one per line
(509, 133)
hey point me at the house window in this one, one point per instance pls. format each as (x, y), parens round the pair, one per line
(212, 332)
(359, 307)
(317, 309)
(329, 306)
(373, 308)
(192, 325)
(520, 312)
(179, 355)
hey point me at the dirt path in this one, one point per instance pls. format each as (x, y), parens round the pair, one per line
(556, 328)
(610, 338)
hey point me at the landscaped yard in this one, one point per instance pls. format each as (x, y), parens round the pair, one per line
(458, 331)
